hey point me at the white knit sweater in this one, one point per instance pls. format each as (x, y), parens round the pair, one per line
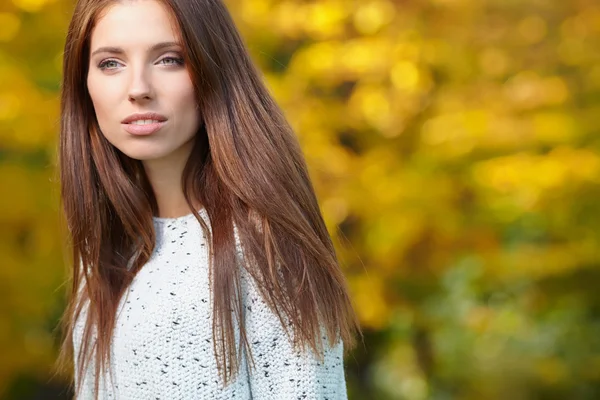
(162, 346)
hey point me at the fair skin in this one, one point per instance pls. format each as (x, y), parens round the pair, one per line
(129, 74)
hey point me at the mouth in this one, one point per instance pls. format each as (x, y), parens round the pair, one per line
(144, 122)
(146, 116)
(143, 127)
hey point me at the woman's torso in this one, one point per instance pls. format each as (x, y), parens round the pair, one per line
(162, 346)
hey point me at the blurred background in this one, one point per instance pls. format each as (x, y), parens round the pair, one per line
(455, 149)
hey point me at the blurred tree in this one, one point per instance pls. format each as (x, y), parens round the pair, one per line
(454, 148)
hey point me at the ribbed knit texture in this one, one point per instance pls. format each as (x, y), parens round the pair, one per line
(162, 346)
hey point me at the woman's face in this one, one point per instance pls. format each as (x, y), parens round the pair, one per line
(141, 90)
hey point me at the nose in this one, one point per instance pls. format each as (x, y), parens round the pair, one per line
(140, 85)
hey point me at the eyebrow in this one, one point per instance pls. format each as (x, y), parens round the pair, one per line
(118, 50)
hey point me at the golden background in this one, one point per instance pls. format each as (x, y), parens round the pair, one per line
(454, 146)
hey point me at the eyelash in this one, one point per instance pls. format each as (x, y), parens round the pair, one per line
(177, 61)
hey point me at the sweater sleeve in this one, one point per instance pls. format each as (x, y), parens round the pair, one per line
(280, 372)
(87, 379)
(86, 392)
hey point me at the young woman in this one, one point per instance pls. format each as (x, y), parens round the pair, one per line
(203, 267)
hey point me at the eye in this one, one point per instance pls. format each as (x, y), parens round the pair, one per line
(172, 61)
(108, 64)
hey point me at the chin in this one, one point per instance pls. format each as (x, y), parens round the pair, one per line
(143, 154)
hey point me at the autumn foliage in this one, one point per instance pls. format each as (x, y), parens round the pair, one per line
(454, 147)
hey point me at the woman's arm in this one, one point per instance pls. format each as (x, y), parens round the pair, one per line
(280, 372)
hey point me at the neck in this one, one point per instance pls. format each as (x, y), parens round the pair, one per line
(165, 176)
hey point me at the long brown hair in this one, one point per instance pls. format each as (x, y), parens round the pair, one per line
(246, 169)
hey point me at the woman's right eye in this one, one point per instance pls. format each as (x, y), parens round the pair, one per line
(108, 64)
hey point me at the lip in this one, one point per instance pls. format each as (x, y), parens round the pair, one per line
(149, 115)
(145, 129)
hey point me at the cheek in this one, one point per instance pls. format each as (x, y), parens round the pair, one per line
(100, 96)
(104, 107)
(183, 101)
(182, 92)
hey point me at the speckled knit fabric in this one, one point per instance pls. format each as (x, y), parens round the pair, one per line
(163, 347)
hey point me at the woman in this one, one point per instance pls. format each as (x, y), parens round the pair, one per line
(205, 269)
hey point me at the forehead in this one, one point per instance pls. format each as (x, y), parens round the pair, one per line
(133, 23)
